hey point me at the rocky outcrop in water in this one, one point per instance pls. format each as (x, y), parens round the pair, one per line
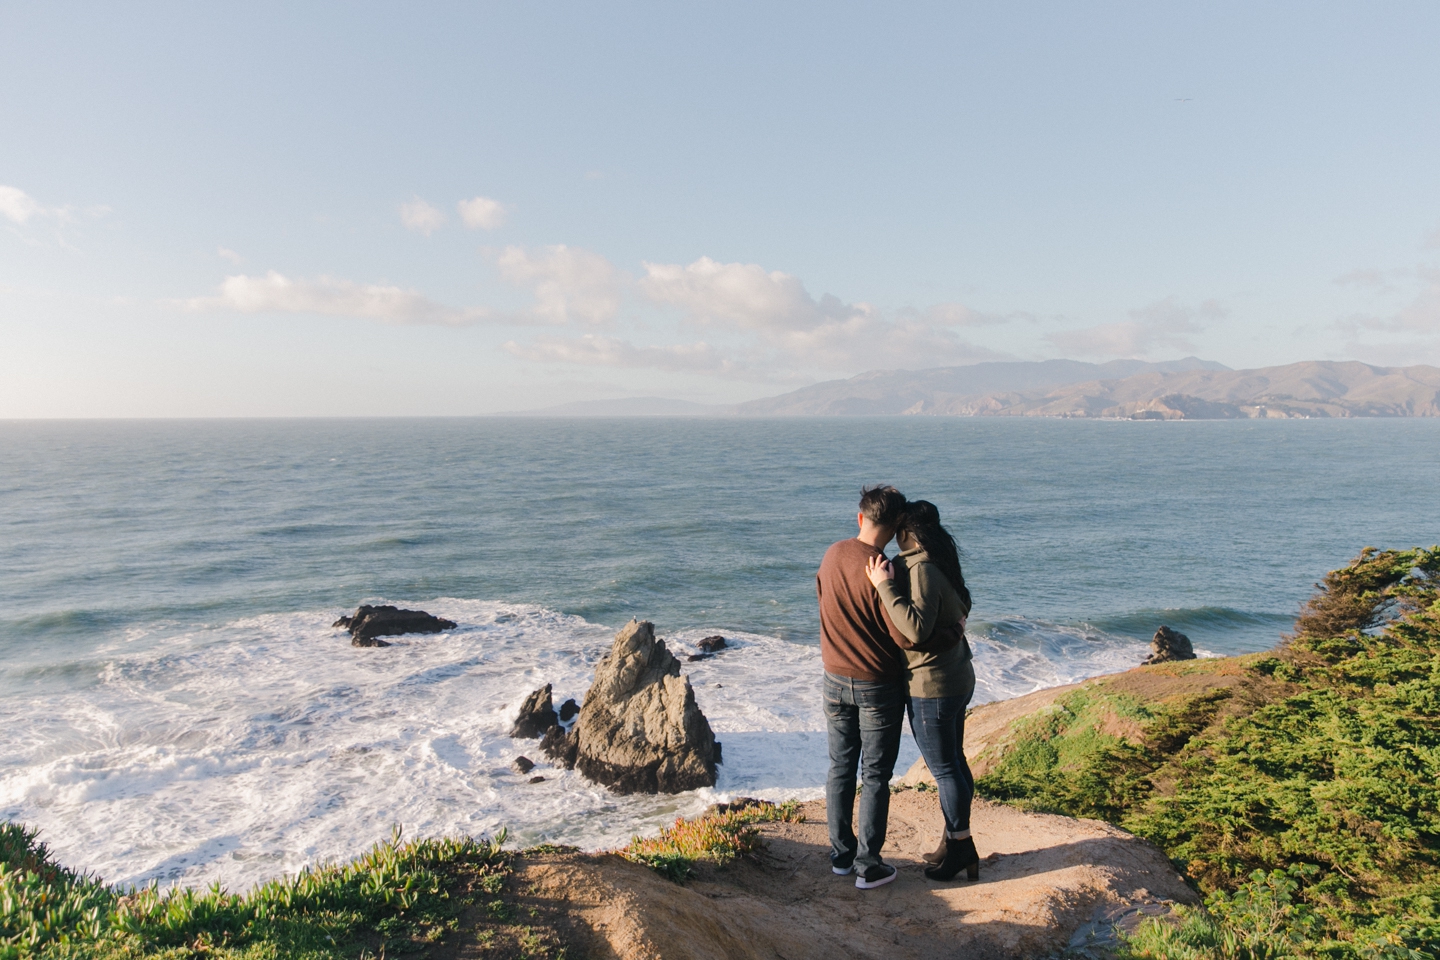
(639, 730)
(709, 646)
(568, 710)
(537, 714)
(369, 623)
(1169, 645)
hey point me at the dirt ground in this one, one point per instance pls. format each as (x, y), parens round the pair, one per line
(1042, 879)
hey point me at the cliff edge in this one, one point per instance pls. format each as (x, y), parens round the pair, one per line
(1044, 880)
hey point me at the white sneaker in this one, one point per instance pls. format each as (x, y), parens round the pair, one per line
(875, 876)
(842, 871)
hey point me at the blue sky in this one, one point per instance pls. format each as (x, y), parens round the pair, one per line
(359, 209)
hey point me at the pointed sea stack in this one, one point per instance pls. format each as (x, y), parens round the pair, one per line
(639, 730)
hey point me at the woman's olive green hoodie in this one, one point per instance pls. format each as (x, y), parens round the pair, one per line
(921, 601)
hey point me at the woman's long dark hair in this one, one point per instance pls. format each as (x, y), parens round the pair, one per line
(922, 521)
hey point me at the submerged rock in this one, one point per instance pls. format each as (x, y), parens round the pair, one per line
(709, 646)
(522, 765)
(369, 622)
(639, 730)
(558, 746)
(537, 714)
(1169, 645)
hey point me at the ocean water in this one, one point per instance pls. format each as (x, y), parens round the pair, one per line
(174, 705)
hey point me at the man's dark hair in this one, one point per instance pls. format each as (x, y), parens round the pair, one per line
(882, 504)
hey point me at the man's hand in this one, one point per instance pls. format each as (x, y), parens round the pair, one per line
(879, 569)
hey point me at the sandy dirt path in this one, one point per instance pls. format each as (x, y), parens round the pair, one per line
(1043, 878)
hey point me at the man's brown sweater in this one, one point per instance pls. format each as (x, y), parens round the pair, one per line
(855, 631)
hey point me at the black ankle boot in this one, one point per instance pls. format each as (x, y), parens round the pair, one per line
(959, 855)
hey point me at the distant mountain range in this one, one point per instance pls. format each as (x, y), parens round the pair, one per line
(627, 407)
(881, 392)
(1311, 389)
(1189, 389)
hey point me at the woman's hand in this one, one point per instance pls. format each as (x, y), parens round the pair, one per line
(879, 569)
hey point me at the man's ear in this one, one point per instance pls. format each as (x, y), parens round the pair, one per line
(860, 519)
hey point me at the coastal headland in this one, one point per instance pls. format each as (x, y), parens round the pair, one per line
(1274, 804)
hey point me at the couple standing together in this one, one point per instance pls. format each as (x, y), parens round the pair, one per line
(892, 639)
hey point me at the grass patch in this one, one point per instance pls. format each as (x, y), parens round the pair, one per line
(1304, 801)
(399, 898)
(718, 838)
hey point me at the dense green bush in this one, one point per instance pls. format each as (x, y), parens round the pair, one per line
(1308, 809)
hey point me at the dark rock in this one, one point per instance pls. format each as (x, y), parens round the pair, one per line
(522, 765)
(537, 714)
(734, 806)
(698, 656)
(369, 642)
(712, 644)
(387, 621)
(640, 730)
(559, 747)
(717, 752)
(537, 779)
(1169, 645)
(568, 710)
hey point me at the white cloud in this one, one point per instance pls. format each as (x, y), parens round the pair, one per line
(959, 315)
(481, 213)
(18, 206)
(569, 283)
(419, 216)
(592, 350)
(799, 332)
(330, 296)
(1160, 325)
(1421, 314)
(225, 253)
(742, 295)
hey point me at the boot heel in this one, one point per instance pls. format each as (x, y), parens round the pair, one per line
(959, 855)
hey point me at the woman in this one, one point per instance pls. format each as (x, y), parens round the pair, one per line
(929, 607)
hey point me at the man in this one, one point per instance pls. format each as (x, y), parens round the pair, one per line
(864, 691)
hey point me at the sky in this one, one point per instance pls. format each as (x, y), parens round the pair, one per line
(360, 209)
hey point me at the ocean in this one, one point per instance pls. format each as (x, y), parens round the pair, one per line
(175, 706)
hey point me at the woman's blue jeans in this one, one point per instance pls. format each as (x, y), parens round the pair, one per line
(938, 724)
(864, 719)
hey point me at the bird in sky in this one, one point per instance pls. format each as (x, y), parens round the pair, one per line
(1183, 99)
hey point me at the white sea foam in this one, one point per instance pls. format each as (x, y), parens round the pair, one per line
(243, 752)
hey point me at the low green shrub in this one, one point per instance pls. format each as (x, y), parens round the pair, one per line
(1306, 809)
(398, 896)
